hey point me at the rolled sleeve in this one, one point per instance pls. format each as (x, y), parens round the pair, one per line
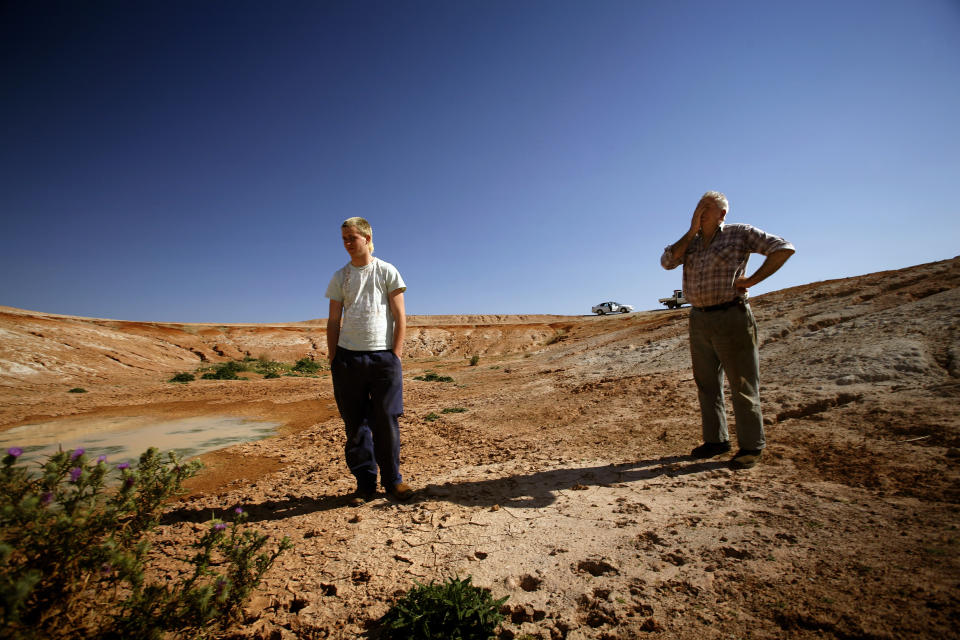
(667, 261)
(783, 244)
(765, 243)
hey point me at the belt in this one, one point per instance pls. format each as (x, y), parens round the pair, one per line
(736, 302)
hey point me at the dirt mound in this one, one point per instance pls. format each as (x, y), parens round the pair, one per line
(41, 348)
(554, 470)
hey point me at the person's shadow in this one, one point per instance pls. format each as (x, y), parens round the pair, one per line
(540, 489)
(526, 491)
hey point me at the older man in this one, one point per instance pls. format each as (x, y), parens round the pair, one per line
(723, 331)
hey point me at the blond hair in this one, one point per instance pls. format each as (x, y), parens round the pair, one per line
(361, 225)
(718, 198)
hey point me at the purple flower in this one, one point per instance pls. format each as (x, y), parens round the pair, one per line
(46, 498)
(238, 510)
(75, 474)
(123, 465)
(219, 526)
(76, 454)
(16, 452)
(101, 459)
(128, 482)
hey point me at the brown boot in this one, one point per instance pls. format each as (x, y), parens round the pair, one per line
(401, 491)
(746, 458)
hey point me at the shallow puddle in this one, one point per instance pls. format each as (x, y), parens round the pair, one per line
(125, 438)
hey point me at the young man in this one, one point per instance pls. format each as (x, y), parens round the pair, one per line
(723, 331)
(365, 332)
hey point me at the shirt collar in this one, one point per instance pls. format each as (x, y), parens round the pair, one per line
(719, 229)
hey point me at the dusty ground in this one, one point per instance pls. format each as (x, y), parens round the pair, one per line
(565, 484)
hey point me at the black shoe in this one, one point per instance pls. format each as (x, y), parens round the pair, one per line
(746, 458)
(710, 450)
(360, 498)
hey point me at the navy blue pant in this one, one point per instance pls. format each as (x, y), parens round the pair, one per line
(368, 388)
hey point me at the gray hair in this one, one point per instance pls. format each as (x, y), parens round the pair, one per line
(718, 198)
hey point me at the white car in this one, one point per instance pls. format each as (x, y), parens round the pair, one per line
(611, 307)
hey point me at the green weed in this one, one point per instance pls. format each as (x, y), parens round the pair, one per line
(268, 367)
(74, 553)
(306, 365)
(454, 610)
(225, 371)
(431, 376)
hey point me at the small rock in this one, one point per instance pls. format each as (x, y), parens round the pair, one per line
(360, 576)
(521, 613)
(530, 583)
(651, 625)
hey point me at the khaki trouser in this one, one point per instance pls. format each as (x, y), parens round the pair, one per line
(721, 342)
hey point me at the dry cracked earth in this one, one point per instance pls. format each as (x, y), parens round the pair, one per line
(562, 477)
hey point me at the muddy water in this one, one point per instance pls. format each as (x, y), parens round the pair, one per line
(125, 438)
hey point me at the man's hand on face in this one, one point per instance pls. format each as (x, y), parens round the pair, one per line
(697, 215)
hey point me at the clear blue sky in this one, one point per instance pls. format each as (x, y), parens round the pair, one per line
(192, 161)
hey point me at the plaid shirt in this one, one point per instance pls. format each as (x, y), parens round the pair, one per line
(710, 271)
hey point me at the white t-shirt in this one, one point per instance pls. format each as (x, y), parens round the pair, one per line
(367, 323)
